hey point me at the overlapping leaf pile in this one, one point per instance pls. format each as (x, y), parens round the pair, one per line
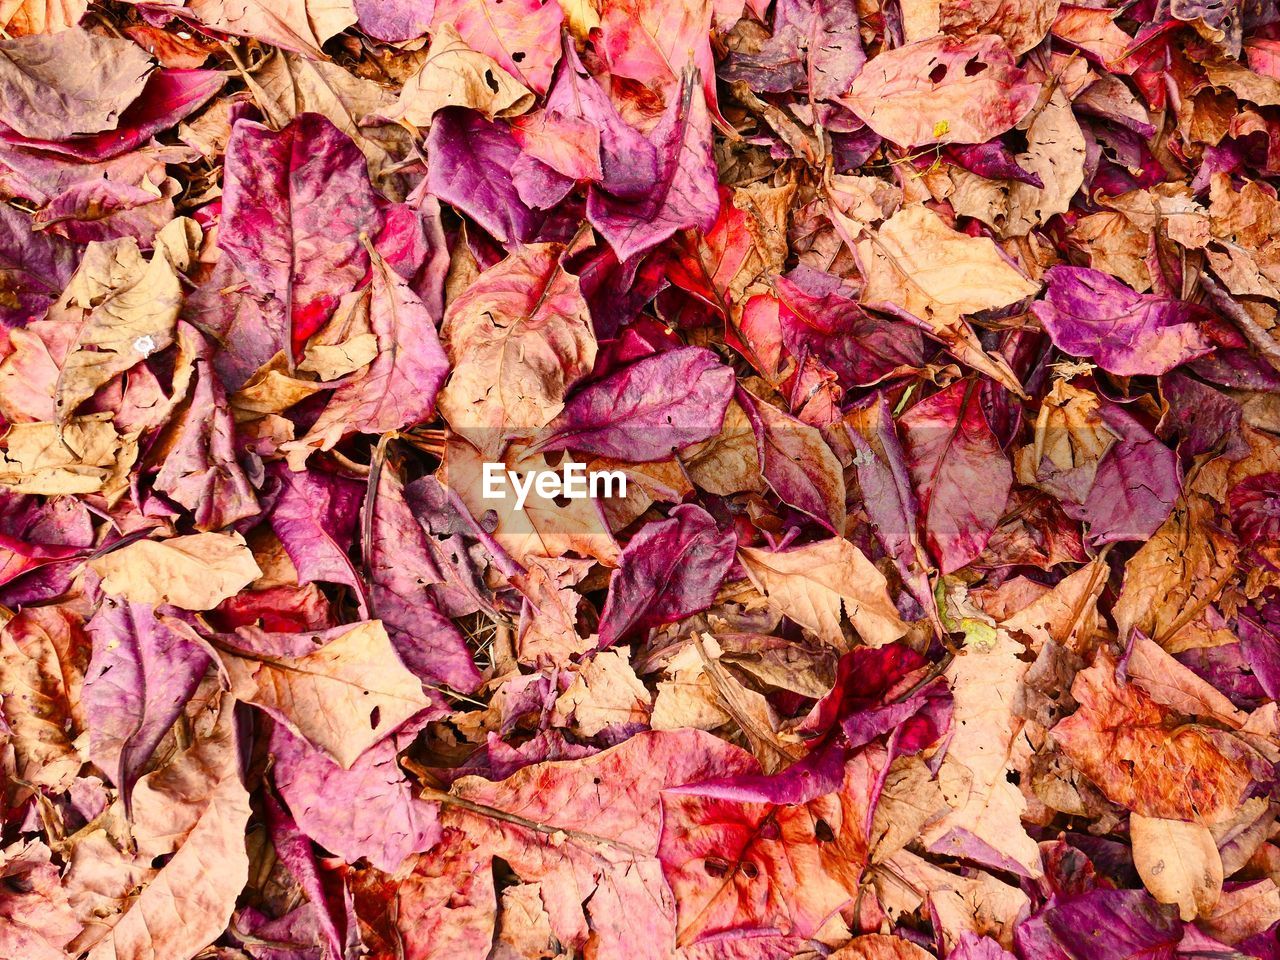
(937, 342)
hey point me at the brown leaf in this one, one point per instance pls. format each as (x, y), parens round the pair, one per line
(813, 584)
(196, 572)
(1178, 863)
(345, 697)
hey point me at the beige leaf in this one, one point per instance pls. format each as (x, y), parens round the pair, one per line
(985, 682)
(909, 799)
(23, 18)
(196, 572)
(169, 801)
(979, 904)
(271, 389)
(1055, 152)
(1175, 574)
(1067, 614)
(80, 456)
(188, 904)
(302, 25)
(43, 657)
(287, 84)
(605, 693)
(329, 361)
(880, 946)
(1244, 911)
(1178, 863)
(344, 697)
(518, 338)
(123, 309)
(548, 632)
(919, 264)
(454, 75)
(813, 583)
(728, 463)
(701, 693)
(547, 526)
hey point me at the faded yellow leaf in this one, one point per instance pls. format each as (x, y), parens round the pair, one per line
(346, 696)
(1178, 863)
(454, 75)
(123, 309)
(813, 584)
(917, 263)
(195, 573)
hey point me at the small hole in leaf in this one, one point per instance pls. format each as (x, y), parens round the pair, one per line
(974, 67)
(491, 80)
(750, 870)
(375, 716)
(822, 830)
(938, 72)
(715, 867)
(1014, 777)
(518, 56)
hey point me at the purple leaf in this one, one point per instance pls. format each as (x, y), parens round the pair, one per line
(399, 387)
(1137, 481)
(470, 169)
(142, 673)
(401, 572)
(960, 473)
(201, 471)
(797, 463)
(370, 810)
(684, 193)
(295, 206)
(105, 210)
(671, 569)
(395, 20)
(1102, 925)
(885, 481)
(646, 410)
(820, 317)
(34, 268)
(1091, 314)
(315, 516)
(973, 947)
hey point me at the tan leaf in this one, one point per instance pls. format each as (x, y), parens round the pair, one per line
(909, 800)
(814, 583)
(978, 904)
(1067, 614)
(985, 805)
(880, 946)
(43, 657)
(169, 801)
(1175, 574)
(23, 18)
(518, 338)
(728, 463)
(604, 693)
(548, 628)
(84, 455)
(919, 264)
(189, 903)
(196, 572)
(1178, 863)
(1055, 152)
(546, 527)
(123, 309)
(344, 697)
(1243, 911)
(301, 25)
(286, 84)
(454, 75)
